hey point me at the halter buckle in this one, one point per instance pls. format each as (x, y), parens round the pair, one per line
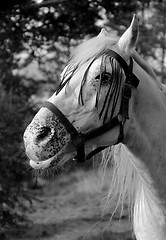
(127, 91)
(79, 143)
(126, 95)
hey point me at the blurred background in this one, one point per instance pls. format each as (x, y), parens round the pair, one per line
(36, 38)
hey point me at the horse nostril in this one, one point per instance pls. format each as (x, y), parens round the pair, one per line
(44, 133)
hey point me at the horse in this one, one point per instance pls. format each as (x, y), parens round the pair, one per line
(109, 100)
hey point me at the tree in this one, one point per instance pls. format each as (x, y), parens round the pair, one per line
(47, 32)
(13, 108)
(24, 27)
(159, 23)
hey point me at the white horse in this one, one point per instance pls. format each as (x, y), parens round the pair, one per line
(109, 95)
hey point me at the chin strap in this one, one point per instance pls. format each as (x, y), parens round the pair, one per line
(99, 149)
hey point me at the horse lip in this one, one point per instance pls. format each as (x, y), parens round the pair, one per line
(41, 164)
(47, 163)
(36, 163)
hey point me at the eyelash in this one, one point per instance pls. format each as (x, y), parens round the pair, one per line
(105, 78)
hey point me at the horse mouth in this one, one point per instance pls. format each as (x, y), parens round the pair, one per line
(56, 161)
(51, 168)
(42, 164)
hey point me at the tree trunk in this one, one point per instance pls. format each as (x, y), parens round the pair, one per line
(163, 45)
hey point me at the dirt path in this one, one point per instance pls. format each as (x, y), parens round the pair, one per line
(70, 209)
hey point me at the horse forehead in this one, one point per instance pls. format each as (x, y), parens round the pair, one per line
(96, 67)
(92, 68)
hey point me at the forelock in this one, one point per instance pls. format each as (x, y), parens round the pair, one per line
(91, 49)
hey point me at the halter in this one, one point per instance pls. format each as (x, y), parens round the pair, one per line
(78, 138)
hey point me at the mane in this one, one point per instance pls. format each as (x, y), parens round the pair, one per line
(147, 68)
(91, 49)
(129, 180)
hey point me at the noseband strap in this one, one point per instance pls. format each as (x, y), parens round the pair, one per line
(79, 139)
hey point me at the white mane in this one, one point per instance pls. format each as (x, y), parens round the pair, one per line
(129, 180)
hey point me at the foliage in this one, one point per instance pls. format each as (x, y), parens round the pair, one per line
(47, 32)
(13, 108)
(159, 38)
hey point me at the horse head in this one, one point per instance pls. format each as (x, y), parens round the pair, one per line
(91, 105)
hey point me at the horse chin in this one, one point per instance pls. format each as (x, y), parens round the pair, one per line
(50, 168)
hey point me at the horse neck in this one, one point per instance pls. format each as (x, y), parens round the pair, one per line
(145, 138)
(146, 129)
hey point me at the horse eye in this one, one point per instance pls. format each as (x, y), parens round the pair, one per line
(97, 77)
(106, 78)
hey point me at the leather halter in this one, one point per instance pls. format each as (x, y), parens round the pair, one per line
(78, 138)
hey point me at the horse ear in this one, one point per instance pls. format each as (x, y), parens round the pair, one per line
(103, 33)
(128, 40)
